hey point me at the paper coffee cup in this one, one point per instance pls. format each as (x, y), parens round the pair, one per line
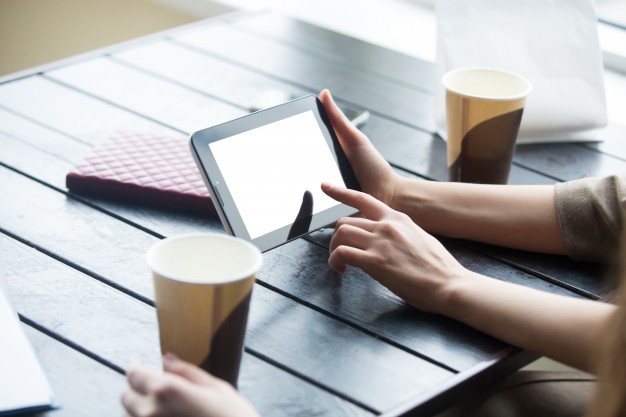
(203, 285)
(484, 109)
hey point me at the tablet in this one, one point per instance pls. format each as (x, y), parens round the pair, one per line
(264, 172)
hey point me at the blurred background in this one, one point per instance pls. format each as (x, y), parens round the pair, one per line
(34, 32)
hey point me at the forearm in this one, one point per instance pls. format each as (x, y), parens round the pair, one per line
(521, 217)
(559, 327)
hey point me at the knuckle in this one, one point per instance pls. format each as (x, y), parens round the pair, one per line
(387, 227)
(404, 217)
(126, 398)
(361, 199)
(165, 390)
(340, 223)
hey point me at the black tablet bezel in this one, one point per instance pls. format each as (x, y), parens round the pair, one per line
(222, 199)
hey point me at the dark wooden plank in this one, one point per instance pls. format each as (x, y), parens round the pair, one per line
(112, 325)
(52, 163)
(48, 156)
(301, 69)
(75, 233)
(427, 158)
(372, 58)
(583, 278)
(21, 138)
(346, 50)
(171, 226)
(50, 127)
(200, 72)
(127, 263)
(352, 369)
(568, 161)
(121, 330)
(81, 385)
(22, 158)
(464, 388)
(260, 382)
(425, 154)
(410, 70)
(119, 263)
(428, 149)
(363, 301)
(152, 97)
(292, 65)
(241, 86)
(588, 279)
(189, 68)
(64, 110)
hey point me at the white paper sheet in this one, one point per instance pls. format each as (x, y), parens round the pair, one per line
(23, 384)
(553, 43)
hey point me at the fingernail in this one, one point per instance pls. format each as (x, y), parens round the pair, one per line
(326, 186)
(170, 358)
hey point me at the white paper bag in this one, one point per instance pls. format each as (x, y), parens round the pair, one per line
(553, 43)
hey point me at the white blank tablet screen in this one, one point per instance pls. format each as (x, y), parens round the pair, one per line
(268, 169)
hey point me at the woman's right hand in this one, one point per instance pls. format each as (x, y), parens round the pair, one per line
(372, 170)
(392, 249)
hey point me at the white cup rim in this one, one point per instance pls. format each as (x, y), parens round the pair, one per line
(524, 91)
(246, 273)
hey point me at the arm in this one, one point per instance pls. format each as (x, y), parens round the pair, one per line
(520, 217)
(510, 216)
(565, 329)
(425, 275)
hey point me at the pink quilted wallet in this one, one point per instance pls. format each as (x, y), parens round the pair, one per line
(142, 168)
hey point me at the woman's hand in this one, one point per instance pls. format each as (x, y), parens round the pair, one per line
(182, 390)
(391, 248)
(374, 173)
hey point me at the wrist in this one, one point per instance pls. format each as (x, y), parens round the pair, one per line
(456, 294)
(416, 198)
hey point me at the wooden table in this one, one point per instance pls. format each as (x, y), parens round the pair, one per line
(317, 344)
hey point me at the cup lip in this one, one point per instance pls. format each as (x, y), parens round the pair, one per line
(524, 94)
(252, 270)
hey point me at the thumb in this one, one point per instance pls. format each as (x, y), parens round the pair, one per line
(173, 364)
(348, 134)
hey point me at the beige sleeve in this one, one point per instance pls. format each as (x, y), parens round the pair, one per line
(591, 216)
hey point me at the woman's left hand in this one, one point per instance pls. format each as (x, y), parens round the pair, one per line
(182, 390)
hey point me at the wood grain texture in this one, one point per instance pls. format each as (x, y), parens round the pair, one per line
(343, 49)
(425, 161)
(241, 87)
(121, 330)
(71, 112)
(79, 383)
(360, 299)
(295, 66)
(43, 154)
(318, 343)
(151, 97)
(396, 102)
(122, 264)
(129, 272)
(393, 65)
(339, 356)
(585, 278)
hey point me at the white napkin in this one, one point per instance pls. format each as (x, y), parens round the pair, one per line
(553, 43)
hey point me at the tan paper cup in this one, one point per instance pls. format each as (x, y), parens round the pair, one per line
(203, 285)
(484, 109)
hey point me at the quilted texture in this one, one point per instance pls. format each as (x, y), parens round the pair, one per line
(143, 168)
